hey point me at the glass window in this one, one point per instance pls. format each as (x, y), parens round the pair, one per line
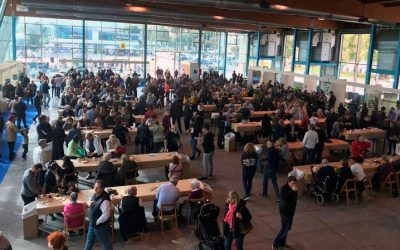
(236, 57)
(287, 53)
(299, 68)
(353, 57)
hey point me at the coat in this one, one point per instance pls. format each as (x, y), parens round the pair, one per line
(238, 223)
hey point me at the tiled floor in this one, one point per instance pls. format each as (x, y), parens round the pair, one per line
(367, 225)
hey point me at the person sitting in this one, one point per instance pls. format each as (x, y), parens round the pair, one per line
(360, 146)
(74, 208)
(93, 146)
(196, 192)
(68, 170)
(130, 210)
(126, 166)
(343, 173)
(291, 131)
(107, 173)
(112, 144)
(284, 153)
(326, 172)
(68, 111)
(167, 194)
(383, 171)
(175, 168)
(74, 149)
(358, 172)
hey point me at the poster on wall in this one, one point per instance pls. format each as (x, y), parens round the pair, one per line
(372, 100)
(256, 76)
(325, 86)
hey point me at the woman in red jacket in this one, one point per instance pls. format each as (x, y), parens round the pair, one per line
(359, 146)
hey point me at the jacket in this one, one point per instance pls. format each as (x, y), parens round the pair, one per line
(11, 132)
(287, 205)
(238, 223)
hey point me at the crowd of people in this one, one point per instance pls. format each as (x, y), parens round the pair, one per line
(107, 101)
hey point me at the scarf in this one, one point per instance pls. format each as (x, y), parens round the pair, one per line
(230, 215)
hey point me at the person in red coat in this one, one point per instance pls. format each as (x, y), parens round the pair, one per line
(359, 146)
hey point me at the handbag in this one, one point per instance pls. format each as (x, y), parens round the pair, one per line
(246, 228)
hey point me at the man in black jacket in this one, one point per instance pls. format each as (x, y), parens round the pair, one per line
(44, 129)
(99, 218)
(20, 110)
(177, 113)
(287, 207)
(292, 131)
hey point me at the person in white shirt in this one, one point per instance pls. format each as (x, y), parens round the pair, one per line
(358, 172)
(167, 194)
(93, 146)
(99, 214)
(112, 144)
(309, 141)
(38, 156)
(38, 153)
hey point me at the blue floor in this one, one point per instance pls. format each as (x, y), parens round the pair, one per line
(4, 162)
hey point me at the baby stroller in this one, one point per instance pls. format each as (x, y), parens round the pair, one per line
(207, 228)
(325, 189)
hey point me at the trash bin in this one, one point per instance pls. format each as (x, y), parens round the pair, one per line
(229, 143)
(30, 221)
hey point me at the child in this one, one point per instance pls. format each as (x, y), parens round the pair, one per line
(25, 143)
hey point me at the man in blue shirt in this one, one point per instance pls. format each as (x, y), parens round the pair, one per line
(167, 193)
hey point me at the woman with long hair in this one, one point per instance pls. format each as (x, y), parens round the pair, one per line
(237, 219)
(249, 162)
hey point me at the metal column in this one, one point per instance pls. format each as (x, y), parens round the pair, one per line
(258, 48)
(309, 50)
(199, 52)
(14, 37)
(294, 50)
(370, 53)
(397, 66)
(83, 43)
(145, 52)
(226, 51)
(248, 52)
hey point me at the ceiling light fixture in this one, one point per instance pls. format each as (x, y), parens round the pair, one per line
(321, 18)
(219, 17)
(138, 8)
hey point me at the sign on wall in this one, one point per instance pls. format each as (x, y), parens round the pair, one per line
(256, 76)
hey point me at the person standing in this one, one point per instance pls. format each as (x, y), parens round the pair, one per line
(208, 148)
(177, 113)
(99, 215)
(45, 90)
(236, 217)
(249, 162)
(271, 170)
(1, 132)
(25, 142)
(37, 103)
(287, 208)
(310, 140)
(11, 136)
(58, 141)
(30, 188)
(172, 140)
(20, 111)
(44, 129)
(194, 131)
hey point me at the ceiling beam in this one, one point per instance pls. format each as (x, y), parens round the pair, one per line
(258, 19)
(378, 1)
(351, 8)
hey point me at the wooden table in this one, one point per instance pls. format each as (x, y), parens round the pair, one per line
(143, 161)
(75, 118)
(372, 133)
(246, 127)
(105, 133)
(210, 107)
(370, 166)
(335, 144)
(90, 164)
(260, 114)
(145, 192)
